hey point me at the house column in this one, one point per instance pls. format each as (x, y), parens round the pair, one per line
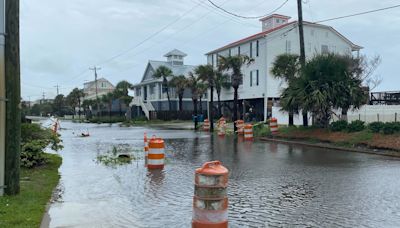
(157, 91)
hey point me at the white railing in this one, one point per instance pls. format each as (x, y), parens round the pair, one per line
(146, 107)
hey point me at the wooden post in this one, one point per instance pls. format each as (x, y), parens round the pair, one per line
(2, 101)
(13, 96)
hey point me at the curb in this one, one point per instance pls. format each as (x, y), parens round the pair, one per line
(328, 146)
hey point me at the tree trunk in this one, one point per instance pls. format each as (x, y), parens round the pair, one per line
(235, 107)
(13, 96)
(291, 122)
(169, 101)
(195, 113)
(211, 109)
(109, 111)
(219, 105)
(201, 105)
(180, 102)
(79, 109)
(344, 114)
(305, 118)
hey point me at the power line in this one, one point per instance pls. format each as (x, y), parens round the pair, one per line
(246, 17)
(357, 14)
(149, 37)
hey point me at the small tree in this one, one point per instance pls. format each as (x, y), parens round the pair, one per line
(221, 81)
(180, 83)
(107, 99)
(194, 84)
(121, 93)
(234, 64)
(207, 74)
(74, 99)
(287, 67)
(164, 72)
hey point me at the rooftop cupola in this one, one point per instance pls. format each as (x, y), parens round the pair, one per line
(273, 21)
(175, 57)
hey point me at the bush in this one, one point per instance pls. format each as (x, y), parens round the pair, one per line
(339, 125)
(32, 154)
(355, 126)
(261, 130)
(391, 128)
(376, 127)
(34, 139)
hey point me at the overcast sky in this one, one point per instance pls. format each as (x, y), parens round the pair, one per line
(61, 39)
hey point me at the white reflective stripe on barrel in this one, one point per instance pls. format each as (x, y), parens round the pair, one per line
(156, 150)
(155, 161)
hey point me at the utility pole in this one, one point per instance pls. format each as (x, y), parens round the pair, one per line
(58, 87)
(3, 101)
(43, 97)
(13, 96)
(302, 50)
(95, 69)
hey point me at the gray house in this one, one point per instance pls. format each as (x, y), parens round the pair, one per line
(149, 94)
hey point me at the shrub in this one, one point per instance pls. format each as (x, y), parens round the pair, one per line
(339, 125)
(391, 128)
(376, 127)
(34, 139)
(32, 154)
(261, 130)
(356, 125)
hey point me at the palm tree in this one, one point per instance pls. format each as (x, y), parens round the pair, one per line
(121, 93)
(221, 81)
(194, 84)
(207, 74)
(202, 89)
(107, 99)
(234, 64)
(180, 84)
(74, 99)
(164, 72)
(287, 67)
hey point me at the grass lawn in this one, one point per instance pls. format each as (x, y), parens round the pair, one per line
(37, 185)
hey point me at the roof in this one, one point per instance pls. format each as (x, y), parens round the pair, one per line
(176, 70)
(265, 33)
(93, 82)
(275, 16)
(175, 52)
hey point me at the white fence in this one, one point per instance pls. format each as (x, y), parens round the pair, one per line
(367, 113)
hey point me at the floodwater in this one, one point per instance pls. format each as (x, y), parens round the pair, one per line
(270, 185)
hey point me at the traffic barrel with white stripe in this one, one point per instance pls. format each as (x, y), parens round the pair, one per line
(240, 126)
(146, 148)
(221, 126)
(273, 125)
(248, 132)
(206, 125)
(156, 153)
(210, 201)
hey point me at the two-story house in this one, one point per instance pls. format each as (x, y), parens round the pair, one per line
(260, 89)
(103, 87)
(149, 94)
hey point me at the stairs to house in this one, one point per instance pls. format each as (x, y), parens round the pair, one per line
(147, 107)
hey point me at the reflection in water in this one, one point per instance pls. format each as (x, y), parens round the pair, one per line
(270, 185)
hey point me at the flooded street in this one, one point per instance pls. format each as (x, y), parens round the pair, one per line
(270, 185)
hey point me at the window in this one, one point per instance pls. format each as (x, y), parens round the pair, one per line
(277, 21)
(251, 49)
(324, 49)
(288, 47)
(238, 50)
(251, 78)
(257, 46)
(257, 78)
(230, 52)
(103, 85)
(212, 60)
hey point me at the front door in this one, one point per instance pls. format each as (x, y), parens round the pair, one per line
(145, 93)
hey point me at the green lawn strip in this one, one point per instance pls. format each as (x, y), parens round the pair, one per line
(37, 185)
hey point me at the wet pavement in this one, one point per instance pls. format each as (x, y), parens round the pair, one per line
(271, 185)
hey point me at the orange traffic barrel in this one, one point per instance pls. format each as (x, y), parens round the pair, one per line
(248, 132)
(273, 125)
(221, 126)
(240, 126)
(206, 125)
(146, 148)
(210, 201)
(156, 153)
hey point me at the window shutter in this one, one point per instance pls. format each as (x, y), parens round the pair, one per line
(257, 78)
(251, 78)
